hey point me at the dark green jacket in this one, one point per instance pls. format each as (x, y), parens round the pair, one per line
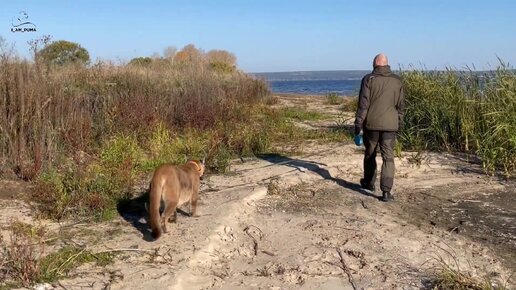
(380, 102)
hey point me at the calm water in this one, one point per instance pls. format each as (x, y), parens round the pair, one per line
(316, 87)
(314, 82)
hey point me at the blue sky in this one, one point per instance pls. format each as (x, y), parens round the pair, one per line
(279, 35)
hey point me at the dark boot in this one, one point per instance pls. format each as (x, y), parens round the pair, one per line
(366, 186)
(387, 196)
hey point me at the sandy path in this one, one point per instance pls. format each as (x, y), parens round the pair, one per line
(313, 210)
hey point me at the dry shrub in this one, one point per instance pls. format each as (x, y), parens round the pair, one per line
(127, 120)
(48, 111)
(333, 99)
(350, 104)
(24, 260)
(271, 100)
(20, 256)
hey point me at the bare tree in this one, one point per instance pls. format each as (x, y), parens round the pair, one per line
(169, 52)
(155, 56)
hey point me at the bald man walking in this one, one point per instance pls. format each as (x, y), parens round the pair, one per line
(379, 116)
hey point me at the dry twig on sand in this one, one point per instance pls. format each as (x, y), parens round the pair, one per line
(255, 242)
(345, 268)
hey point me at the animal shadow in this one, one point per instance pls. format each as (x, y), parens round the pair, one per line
(134, 210)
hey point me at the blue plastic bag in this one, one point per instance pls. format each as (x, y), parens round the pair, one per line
(359, 140)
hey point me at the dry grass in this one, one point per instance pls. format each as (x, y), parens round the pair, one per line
(271, 100)
(452, 279)
(350, 104)
(447, 275)
(25, 259)
(334, 99)
(20, 256)
(48, 111)
(85, 135)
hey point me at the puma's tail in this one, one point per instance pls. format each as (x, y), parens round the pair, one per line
(154, 217)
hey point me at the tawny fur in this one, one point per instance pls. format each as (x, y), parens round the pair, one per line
(176, 185)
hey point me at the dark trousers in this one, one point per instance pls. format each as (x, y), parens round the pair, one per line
(385, 140)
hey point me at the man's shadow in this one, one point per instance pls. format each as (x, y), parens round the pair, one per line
(134, 210)
(316, 168)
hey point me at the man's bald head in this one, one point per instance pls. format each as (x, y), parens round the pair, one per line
(380, 60)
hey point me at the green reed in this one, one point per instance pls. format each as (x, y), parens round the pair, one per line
(463, 111)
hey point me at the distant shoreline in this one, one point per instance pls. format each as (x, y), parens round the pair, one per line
(296, 95)
(339, 75)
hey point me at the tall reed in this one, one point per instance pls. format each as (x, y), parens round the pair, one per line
(463, 111)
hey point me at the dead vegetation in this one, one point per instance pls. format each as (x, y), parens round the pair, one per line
(29, 256)
(448, 276)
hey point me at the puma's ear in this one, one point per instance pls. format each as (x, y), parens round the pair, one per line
(199, 165)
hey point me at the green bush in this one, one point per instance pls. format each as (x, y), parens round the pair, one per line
(64, 52)
(94, 190)
(51, 197)
(140, 61)
(112, 179)
(222, 67)
(220, 158)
